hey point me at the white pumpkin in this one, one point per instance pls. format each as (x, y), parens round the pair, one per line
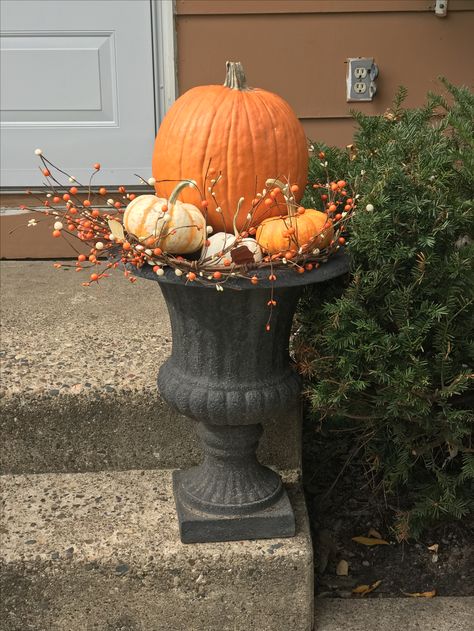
(217, 243)
(178, 229)
(222, 241)
(225, 242)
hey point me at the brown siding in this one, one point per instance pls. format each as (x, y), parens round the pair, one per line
(298, 49)
(17, 241)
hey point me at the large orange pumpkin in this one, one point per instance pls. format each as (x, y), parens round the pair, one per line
(249, 135)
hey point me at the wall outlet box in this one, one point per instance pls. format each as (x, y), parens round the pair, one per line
(360, 81)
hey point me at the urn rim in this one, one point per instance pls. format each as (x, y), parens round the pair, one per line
(337, 265)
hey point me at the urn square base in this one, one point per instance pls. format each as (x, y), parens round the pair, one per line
(198, 527)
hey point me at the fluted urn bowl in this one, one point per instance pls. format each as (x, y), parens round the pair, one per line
(230, 375)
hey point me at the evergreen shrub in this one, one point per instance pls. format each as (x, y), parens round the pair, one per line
(389, 354)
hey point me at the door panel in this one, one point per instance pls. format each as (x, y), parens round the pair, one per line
(77, 81)
(90, 59)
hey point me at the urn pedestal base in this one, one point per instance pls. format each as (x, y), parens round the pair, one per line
(231, 496)
(195, 526)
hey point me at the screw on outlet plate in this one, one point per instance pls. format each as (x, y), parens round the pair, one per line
(441, 8)
(361, 75)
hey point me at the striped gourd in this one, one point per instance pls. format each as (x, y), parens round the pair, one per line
(175, 226)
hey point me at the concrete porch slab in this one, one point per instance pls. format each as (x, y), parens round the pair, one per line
(395, 614)
(79, 368)
(101, 551)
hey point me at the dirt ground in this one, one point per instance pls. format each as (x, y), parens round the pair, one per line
(442, 560)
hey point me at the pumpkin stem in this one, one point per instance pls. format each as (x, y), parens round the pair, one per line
(236, 214)
(235, 78)
(178, 188)
(285, 188)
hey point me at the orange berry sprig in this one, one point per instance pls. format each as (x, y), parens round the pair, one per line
(81, 218)
(337, 198)
(60, 192)
(87, 220)
(339, 203)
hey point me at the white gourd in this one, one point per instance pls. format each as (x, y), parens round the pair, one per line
(225, 242)
(181, 229)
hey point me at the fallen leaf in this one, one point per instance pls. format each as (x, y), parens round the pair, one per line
(365, 589)
(360, 589)
(116, 229)
(421, 594)
(242, 255)
(342, 568)
(374, 533)
(370, 541)
(434, 548)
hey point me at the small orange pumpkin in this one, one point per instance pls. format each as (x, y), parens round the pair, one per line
(176, 227)
(295, 230)
(246, 134)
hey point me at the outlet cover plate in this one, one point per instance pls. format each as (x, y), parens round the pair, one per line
(360, 81)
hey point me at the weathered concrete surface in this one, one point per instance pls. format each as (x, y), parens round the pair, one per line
(79, 370)
(101, 551)
(394, 614)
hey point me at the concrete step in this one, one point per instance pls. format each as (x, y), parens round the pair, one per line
(79, 368)
(101, 551)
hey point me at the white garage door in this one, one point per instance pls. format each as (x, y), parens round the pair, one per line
(78, 81)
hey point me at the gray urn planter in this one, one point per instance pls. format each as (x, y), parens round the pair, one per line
(230, 375)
